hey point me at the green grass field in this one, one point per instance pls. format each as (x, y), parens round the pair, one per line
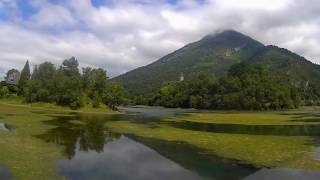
(27, 157)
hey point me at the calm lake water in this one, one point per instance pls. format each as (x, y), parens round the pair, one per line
(4, 173)
(93, 152)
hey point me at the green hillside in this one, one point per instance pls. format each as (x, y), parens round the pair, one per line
(214, 55)
(300, 72)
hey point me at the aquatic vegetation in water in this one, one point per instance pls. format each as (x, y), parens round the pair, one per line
(262, 146)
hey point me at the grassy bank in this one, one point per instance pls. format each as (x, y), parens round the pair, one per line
(18, 101)
(307, 115)
(27, 157)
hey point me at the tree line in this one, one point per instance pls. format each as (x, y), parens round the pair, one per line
(246, 87)
(66, 85)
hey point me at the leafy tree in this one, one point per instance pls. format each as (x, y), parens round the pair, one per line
(70, 66)
(40, 87)
(4, 92)
(67, 90)
(67, 83)
(114, 96)
(95, 83)
(24, 78)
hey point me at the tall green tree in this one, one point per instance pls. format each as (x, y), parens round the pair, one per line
(24, 78)
(96, 82)
(114, 95)
(40, 86)
(70, 67)
(68, 85)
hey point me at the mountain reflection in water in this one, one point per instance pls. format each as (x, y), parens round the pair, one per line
(94, 152)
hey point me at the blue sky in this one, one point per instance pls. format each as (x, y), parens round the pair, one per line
(27, 8)
(120, 35)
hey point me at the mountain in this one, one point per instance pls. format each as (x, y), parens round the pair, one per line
(287, 63)
(300, 72)
(213, 55)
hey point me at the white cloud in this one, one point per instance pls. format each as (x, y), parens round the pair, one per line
(132, 33)
(52, 16)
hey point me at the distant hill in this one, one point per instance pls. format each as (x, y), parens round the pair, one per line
(213, 55)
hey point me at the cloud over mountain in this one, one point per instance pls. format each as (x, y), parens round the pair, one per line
(120, 35)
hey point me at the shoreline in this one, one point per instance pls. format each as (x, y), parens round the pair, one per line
(56, 108)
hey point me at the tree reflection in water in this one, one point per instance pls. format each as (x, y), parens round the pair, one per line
(85, 134)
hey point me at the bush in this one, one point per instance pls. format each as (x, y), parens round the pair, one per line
(4, 92)
(12, 88)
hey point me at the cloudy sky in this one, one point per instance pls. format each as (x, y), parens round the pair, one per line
(120, 35)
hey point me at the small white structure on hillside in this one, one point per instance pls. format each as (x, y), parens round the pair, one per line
(181, 77)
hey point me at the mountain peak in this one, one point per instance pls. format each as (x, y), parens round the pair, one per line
(228, 32)
(229, 39)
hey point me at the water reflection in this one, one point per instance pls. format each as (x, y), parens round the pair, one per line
(4, 173)
(198, 160)
(283, 174)
(89, 134)
(123, 159)
(281, 130)
(94, 152)
(154, 112)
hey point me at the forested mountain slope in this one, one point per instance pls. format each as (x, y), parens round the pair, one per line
(214, 55)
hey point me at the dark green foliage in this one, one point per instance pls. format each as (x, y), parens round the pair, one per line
(140, 100)
(40, 86)
(247, 87)
(114, 95)
(95, 82)
(67, 87)
(300, 72)
(67, 82)
(24, 78)
(101, 90)
(253, 87)
(4, 92)
(3, 83)
(12, 88)
(70, 67)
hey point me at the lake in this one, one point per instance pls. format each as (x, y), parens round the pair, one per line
(91, 150)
